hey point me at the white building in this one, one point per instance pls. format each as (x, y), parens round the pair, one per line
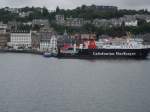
(3, 27)
(101, 22)
(143, 17)
(27, 23)
(45, 45)
(116, 22)
(20, 39)
(74, 22)
(130, 20)
(53, 42)
(12, 10)
(44, 22)
(131, 23)
(60, 19)
(147, 18)
(49, 44)
(24, 14)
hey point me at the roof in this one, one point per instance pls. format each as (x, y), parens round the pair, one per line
(20, 31)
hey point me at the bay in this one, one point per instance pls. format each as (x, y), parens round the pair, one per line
(32, 83)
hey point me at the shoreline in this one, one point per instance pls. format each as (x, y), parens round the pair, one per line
(21, 51)
(63, 57)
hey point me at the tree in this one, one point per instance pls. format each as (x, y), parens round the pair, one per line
(45, 12)
(36, 27)
(89, 28)
(141, 22)
(57, 9)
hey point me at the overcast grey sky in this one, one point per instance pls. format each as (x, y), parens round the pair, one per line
(51, 4)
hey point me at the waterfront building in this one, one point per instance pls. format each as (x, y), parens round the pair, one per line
(20, 39)
(45, 45)
(35, 40)
(64, 39)
(53, 43)
(45, 38)
(48, 44)
(4, 38)
(41, 38)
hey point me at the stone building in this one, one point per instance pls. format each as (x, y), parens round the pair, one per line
(35, 40)
(4, 38)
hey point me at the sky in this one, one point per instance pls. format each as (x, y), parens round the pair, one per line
(69, 4)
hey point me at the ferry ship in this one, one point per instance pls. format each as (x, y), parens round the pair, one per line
(106, 48)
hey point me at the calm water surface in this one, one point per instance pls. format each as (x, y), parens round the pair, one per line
(31, 83)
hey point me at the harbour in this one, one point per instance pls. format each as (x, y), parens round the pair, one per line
(32, 83)
(70, 60)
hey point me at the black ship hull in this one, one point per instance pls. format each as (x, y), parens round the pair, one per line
(106, 53)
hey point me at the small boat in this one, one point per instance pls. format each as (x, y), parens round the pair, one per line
(47, 54)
